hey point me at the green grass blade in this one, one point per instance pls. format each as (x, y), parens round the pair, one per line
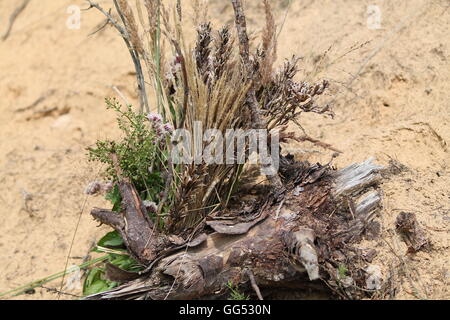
(40, 282)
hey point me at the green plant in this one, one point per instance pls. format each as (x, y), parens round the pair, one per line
(235, 294)
(216, 83)
(142, 157)
(342, 271)
(96, 280)
(142, 153)
(38, 283)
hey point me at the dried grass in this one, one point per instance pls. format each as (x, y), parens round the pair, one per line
(218, 81)
(269, 45)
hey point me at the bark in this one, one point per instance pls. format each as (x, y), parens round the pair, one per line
(141, 237)
(297, 242)
(411, 232)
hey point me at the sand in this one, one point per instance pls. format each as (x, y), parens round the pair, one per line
(389, 91)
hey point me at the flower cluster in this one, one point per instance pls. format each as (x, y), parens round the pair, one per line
(161, 129)
(95, 187)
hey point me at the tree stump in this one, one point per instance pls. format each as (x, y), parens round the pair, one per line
(306, 238)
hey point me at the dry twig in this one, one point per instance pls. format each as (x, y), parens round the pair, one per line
(13, 18)
(128, 34)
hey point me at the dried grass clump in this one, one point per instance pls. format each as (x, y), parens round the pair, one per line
(219, 81)
(283, 99)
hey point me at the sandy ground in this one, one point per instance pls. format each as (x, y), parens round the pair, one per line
(390, 93)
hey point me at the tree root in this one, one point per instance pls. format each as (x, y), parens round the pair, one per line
(307, 241)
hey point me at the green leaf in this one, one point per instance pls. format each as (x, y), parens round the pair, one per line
(96, 287)
(124, 262)
(94, 282)
(115, 198)
(342, 270)
(173, 112)
(111, 239)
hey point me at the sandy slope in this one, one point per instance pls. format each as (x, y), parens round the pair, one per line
(391, 99)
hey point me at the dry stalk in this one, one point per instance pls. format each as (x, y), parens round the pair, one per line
(221, 85)
(244, 49)
(284, 137)
(129, 35)
(269, 45)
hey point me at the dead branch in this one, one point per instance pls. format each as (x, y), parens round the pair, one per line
(254, 284)
(134, 225)
(13, 18)
(292, 136)
(38, 101)
(125, 34)
(408, 227)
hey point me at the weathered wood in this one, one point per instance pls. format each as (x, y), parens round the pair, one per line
(293, 247)
(357, 177)
(414, 236)
(141, 237)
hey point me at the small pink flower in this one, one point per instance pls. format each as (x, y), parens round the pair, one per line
(107, 186)
(177, 59)
(154, 117)
(93, 188)
(168, 128)
(159, 130)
